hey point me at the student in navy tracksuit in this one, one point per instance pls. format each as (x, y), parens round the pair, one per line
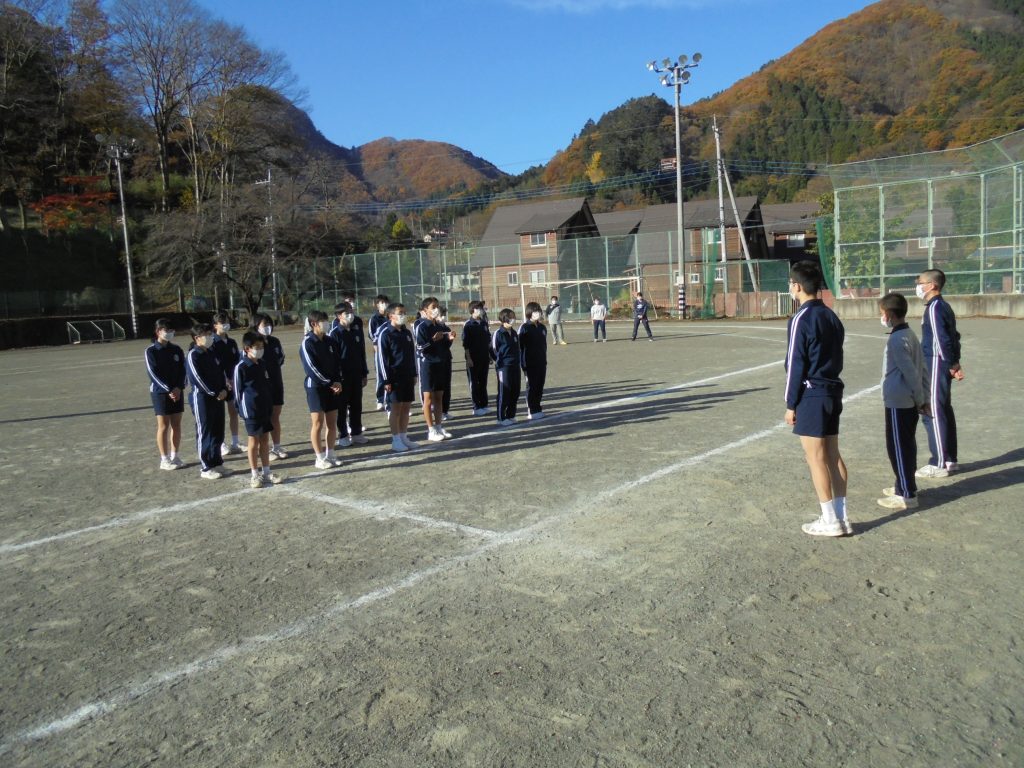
(814, 395)
(904, 395)
(319, 355)
(396, 360)
(209, 391)
(640, 309)
(533, 358)
(378, 321)
(348, 336)
(505, 353)
(940, 343)
(226, 350)
(165, 364)
(446, 401)
(476, 341)
(273, 359)
(434, 347)
(254, 402)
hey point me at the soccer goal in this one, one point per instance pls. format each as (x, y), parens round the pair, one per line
(94, 331)
(577, 296)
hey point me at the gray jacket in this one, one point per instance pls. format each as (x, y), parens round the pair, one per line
(903, 374)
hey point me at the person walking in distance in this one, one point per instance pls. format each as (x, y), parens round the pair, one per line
(940, 343)
(640, 309)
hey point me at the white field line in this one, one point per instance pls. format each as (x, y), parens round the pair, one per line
(73, 366)
(387, 512)
(876, 336)
(372, 460)
(215, 659)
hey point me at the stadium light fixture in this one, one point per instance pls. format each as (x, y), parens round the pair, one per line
(119, 148)
(676, 76)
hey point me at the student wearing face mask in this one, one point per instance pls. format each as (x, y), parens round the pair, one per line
(273, 360)
(209, 391)
(319, 355)
(396, 359)
(348, 336)
(226, 350)
(165, 364)
(476, 341)
(434, 345)
(554, 315)
(446, 402)
(505, 353)
(598, 314)
(377, 323)
(940, 343)
(254, 402)
(533, 359)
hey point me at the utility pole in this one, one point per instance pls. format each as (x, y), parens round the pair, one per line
(118, 149)
(721, 212)
(270, 224)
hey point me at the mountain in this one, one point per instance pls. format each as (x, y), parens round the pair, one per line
(899, 76)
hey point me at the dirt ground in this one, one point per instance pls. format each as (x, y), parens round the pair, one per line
(624, 583)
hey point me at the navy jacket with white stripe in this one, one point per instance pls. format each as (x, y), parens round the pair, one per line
(252, 390)
(939, 336)
(319, 360)
(205, 373)
(505, 348)
(165, 365)
(396, 354)
(814, 353)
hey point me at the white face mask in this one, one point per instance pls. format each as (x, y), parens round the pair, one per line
(203, 341)
(477, 314)
(400, 319)
(256, 354)
(382, 307)
(535, 316)
(225, 327)
(167, 335)
(266, 330)
(885, 322)
(348, 317)
(921, 291)
(433, 313)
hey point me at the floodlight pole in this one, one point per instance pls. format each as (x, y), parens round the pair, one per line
(117, 150)
(270, 223)
(679, 77)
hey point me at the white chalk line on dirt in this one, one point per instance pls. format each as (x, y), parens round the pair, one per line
(71, 367)
(306, 624)
(369, 461)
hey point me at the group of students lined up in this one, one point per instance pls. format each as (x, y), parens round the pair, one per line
(248, 382)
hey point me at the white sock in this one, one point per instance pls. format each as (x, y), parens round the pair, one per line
(828, 511)
(255, 473)
(174, 454)
(163, 457)
(840, 505)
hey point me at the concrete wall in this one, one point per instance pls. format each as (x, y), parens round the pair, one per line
(990, 305)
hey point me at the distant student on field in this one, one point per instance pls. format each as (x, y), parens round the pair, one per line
(319, 356)
(940, 342)
(255, 403)
(505, 353)
(165, 364)
(533, 358)
(434, 345)
(273, 360)
(598, 313)
(904, 394)
(378, 321)
(209, 391)
(226, 350)
(476, 341)
(396, 353)
(814, 395)
(554, 314)
(348, 336)
(640, 309)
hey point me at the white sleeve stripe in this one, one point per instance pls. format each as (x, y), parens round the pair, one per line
(789, 355)
(198, 378)
(152, 374)
(309, 361)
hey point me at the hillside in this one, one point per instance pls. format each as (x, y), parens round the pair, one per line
(899, 76)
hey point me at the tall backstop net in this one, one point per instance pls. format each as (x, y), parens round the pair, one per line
(958, 210)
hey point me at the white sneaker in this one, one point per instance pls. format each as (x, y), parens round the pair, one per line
(410, 444)
(604, 341)
(847, 526)
(278, 453)
(335, 461)
(273, 479)
(210, 474)
(360, 439)
(177, 462)
(256, 481)
(820, 528)
(930, 470)
(445, 416)
(167, 464)
(225, 449)
(397, 445)
(435, 435)
(323, 464)
(898, 502)
(535, 416)
(508, 423)
(380, 407)
(446, 433)
(595, 341)
(343, 442)
(485, 410)
(478, 411)
(951, 467)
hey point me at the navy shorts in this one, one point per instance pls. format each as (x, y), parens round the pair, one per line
(277, 395)
(321, 399)
(164, 406)
(402, 391)
(818, 416)
(257, 427)
(435, 377)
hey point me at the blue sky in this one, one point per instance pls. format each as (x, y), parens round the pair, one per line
(510, 80)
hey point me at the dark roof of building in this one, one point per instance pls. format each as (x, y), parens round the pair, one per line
(509, 221)
(789, 218)
(653, 247)
(618, 223)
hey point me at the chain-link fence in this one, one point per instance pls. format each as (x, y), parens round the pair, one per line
(958, 210)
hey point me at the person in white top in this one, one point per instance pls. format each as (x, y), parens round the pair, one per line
(598, 313)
